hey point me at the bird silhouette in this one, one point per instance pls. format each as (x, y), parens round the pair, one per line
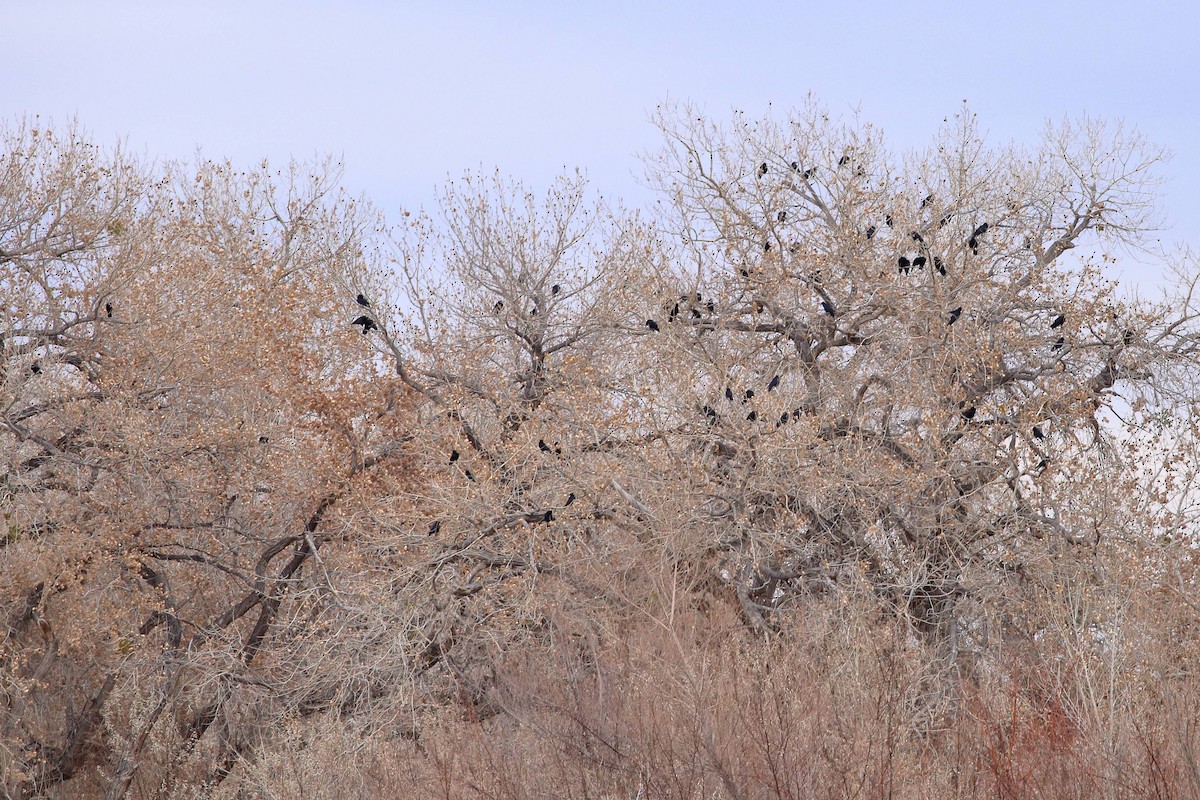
(980, 231)
(749, 394)
(954, 315)
(919, 262)
(1058, 321)
(928, 199)
(570, 499)
(108, 310)
(870, 232)
(1037, 433)
(362, 301)
(752, 416)
(469, 475)
(766, 245)
(808, 173)
(545, 448)
(454, 456)
(729, 394)
(696, 313)
(783, 418)
(774, 384)
(973, 243)
(969, 413)
(843, 161)
(548, 516)
(674, 313)
(36, 368)
(435, 527)
(904, 265)
(711, 413)
(1127, 336)
(1058, 345)
(652, 325)
(555, 289)
(499, 306)
(781, 216)
(367, 324)
(828, 308)
(762, 169)
(264, 439)
(887, 220)
(941, 268)
(916, 237)
(795, 166)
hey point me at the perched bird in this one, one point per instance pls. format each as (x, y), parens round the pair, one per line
(435, 527)
(745, 273)
(570, 499)
(774, 384)
(795, 166)
(362, 301)
(555, 289)
(651, 324)
(36, 368)
(548, 516)
(973, 243)
(808, 173)
(781, 216)
(729, 394)
(919, 262)
(762, 169)
(264, 439)
(674, 313)
(828, 308)
(749, 394)
(695, 313)
(1058, 345)
(980, 231)
(969, 413)
(454, 456)
(916, 237)
(712, 308)
(108, 310)
(843, 161)
(545, 448)
(945, 220)
(795, 413)
(367, 324)
(904, 265)
(1037, 433)
(766, 245)
(1058, 321)
(937, 263)
(954, 315)
(783, 418)
(870, 232)
(499, 306)
(928, 199)
(470, 476)
(752, 416)
(711, 413)
(1127, 336)
(888, 220)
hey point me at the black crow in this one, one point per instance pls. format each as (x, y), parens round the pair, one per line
(828, 308)
(1059, 344)
(712, 309)
(651, 324)
(766, 245)
(435, 527)
(954, 315)
(729, 394)
(1058, 321)
(469, 475)
(674, 313)
(783, 418)
(795, 166)
(555, 289)
(108, 310)
(870, 232)
(781, 216)
(974, 245)
(773, 384)
(843, 161)
(980, 231)
(937, 262)
(749, 394)
(795, 413)
(499, 306)
(695, 313)
(919, 262)
(454, 456)
(904, 264)
(752, 416)
(916, 237)
(928, 199)
(745, 273)
(888, 220)
(1037, 433)
(969, 413)
(367, 324)
(808, 173)
(762, 169)
(711, 413)
(545, 448)
(548, 516)
(570, 499)
(1042, 465)
(1127, 336)
(264, 439)
(945, 220)
(36, 368)
(362, 301)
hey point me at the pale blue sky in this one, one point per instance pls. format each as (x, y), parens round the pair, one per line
(410, 93)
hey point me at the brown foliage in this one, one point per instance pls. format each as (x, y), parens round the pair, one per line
(826, 528)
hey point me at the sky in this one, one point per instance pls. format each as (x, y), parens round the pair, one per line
(410, 94)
